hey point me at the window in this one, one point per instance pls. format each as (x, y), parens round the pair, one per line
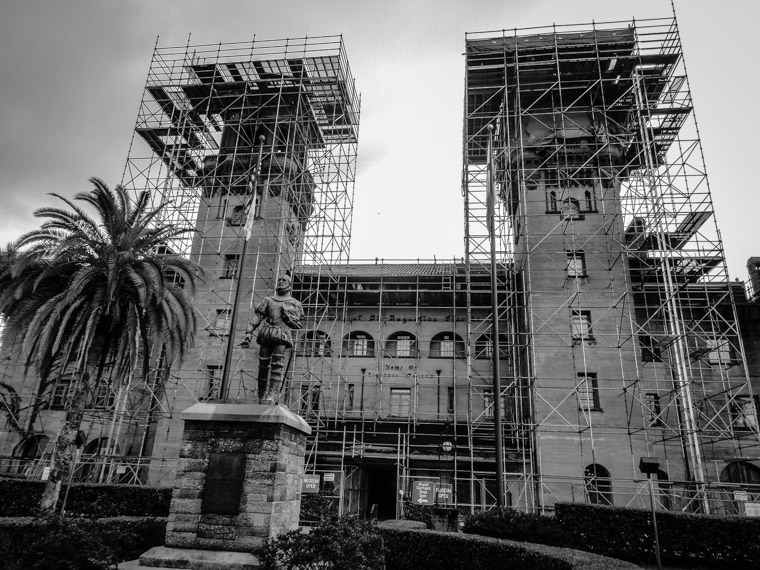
(581, 325)
(238, 217)
(350, 397)
(211, 391)
(571, 209)
(743, 414)
(484, 347)
(719, 351)
(447, 345)
(588, 392)
(598, 484)
(221, 324)
(103, 397)
(650, 349)
(653, 410)
(401, 399)
(576, 264)
(552, 202)
(317, 343)
(231, 263)
(316, 392)
(450, 407)
(63, 392)
(590, 201)
(359, 343)
(401, 345)
(489, 409)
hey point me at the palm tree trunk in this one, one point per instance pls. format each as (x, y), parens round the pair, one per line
(65, 447)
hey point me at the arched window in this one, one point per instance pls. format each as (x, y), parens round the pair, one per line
(484, 347)
(741, 472)
(359, 343)
(447, 345)
(571, 209)
(316, 343)
(94, 465)
(598, 484)
(31, 447)
(401, 344)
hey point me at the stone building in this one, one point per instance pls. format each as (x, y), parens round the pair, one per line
(620, 335)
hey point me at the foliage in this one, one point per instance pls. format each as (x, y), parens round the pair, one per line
(685, 539)
(84, 294)
(334, 543)
(515, 525)
(76, 543)
(317, 506)
(20, 498)
(422, 513)
(429, 550)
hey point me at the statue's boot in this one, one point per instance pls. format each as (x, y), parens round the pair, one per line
(272, 394)
(263, 376)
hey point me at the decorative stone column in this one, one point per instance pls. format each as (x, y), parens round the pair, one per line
(238, 483)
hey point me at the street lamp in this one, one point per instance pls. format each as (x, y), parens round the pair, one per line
(650, 466)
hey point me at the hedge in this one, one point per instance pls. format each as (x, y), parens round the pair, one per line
(20, 498)
(429, 550)
(76, 543)
(685, 539)
(515, 525)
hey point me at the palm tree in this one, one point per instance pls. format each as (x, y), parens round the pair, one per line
(83, 294)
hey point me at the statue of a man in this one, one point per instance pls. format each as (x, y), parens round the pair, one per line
(276, 315)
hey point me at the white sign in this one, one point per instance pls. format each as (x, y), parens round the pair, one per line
(740, 495)
(329, 477)
(310, 484)
(45, 474)
(752, 509)
(121, 469)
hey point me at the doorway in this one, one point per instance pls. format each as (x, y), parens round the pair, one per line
(381, 491)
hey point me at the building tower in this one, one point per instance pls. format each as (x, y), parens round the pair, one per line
(251, 141)
(624, 326)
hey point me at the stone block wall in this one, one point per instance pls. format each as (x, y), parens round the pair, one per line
(271, 497)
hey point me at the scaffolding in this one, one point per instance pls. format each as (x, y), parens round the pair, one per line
(624, 324)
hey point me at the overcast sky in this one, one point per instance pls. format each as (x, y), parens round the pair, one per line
(72, 75)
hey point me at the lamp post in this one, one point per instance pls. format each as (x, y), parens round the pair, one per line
(650, 466)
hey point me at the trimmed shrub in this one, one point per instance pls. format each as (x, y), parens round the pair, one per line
(515, 525)
(315, 507)
(335, 543)
(20, 498)
(422, 513)
(429, 550)
(76, 543)
(685, 539)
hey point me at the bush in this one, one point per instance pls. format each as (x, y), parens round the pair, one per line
(335, 543)
(685, 539)
(429, 550)
(315, 507)
(422, 513)
(76, 543)
(19, 498)
(515, 525)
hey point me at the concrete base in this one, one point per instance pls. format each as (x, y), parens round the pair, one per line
(163, 558)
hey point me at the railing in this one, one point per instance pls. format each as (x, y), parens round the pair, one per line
(99, 469)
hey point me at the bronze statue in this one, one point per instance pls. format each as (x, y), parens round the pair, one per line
(276, 315)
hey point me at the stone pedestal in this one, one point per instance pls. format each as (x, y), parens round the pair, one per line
(238, 482)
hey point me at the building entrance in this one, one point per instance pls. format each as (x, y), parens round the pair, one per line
(381, 491)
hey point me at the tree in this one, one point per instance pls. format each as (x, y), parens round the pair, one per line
(85, 294)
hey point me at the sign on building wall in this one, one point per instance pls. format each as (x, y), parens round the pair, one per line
(310, 484)
(431, 493)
